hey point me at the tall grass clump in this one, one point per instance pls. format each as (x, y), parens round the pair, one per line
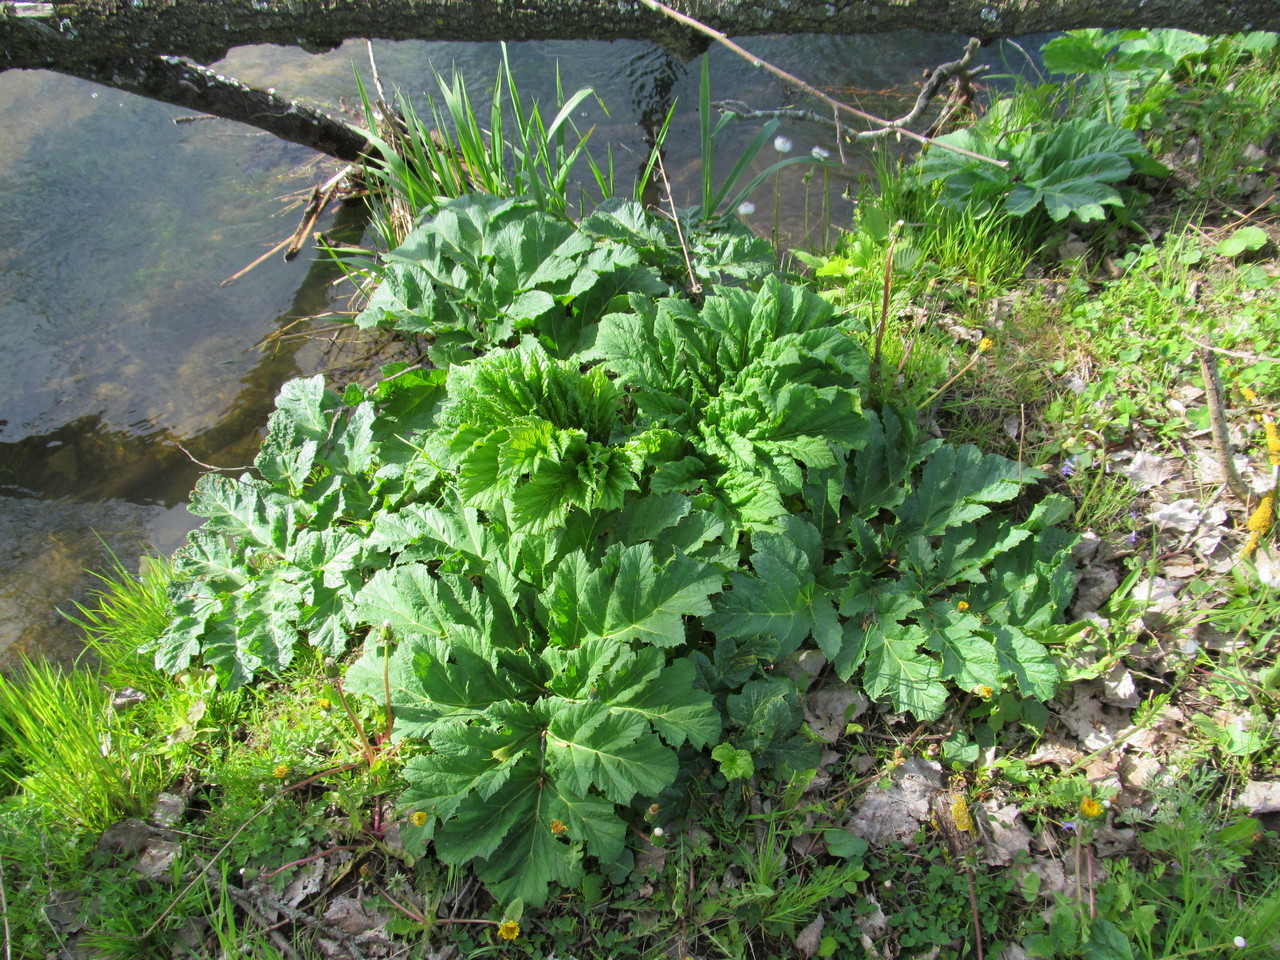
(124, 614)
(75, 757)
(425, 160)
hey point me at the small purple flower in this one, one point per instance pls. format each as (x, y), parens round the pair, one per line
(1069, 825)
(1068, 467)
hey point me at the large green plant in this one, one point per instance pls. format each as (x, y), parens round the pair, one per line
(482, 271)
(1063, 169)
(570, 575)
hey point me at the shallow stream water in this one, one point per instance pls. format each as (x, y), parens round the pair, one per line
(118, 345)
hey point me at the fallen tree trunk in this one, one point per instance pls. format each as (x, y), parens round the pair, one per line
(155, 48)
(203, 30)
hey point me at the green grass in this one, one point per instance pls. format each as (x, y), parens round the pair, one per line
(80, 761)
(124, 614)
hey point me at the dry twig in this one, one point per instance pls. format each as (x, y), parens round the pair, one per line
(1213, 396)
(962, 69)
(807, 88)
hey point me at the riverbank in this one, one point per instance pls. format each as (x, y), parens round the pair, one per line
(764, 640)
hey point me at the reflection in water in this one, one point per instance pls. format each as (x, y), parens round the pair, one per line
(117, 342)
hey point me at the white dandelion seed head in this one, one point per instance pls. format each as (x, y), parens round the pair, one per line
(782, 144)
(746, 208)
(658, 831)
(819, 153)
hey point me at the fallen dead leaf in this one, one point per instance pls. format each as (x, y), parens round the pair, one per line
(1148, 471)
(1261, 796)
(894, 813)
(810, 938)
(1118, 688)
(829, 710)
(1181, 567)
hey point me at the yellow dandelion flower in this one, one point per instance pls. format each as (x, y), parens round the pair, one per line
(1248, 394)
(960, 815)
(508, 930)
(280, 772)
(558, 827)
(962, 606)
(324, 703)
(985, 344)
(1090, 808)
(418, 818)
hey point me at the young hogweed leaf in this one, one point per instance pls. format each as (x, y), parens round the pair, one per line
(238, 508)
(667, 698)
(589, 745)
(879, 473)
(411, 599)
(957, 485)
(306, 406)
(630, 596)
(525, 383)
(781, 598)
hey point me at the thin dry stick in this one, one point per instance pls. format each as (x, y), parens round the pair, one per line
(240, 273)
(4, 914)
(805, 87)
(207, 466)
(973, 905)
(884, 308)
(923, 99)
(225, 847)
(694, 286)
(1251, 357)
(1213, 396)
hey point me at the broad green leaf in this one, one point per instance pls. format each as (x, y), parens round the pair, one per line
(238, 509)
(305, 405)
(956, 486)
(431, 680)
(633, 597)
(968, 657)
(589, 746)
(412, 600)
(735, 764)
(668, 699)
(533, 857)
(781, 598)
(896, 668)
(1026, 661)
